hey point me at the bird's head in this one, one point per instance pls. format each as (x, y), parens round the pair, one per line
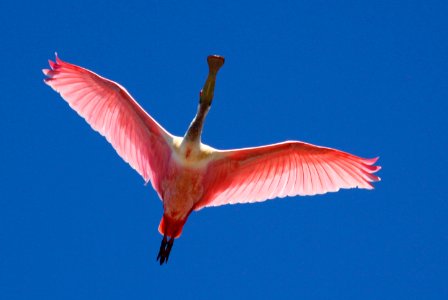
(215, 62)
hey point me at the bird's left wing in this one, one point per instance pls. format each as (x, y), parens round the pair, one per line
(111, 111)
(280, 170)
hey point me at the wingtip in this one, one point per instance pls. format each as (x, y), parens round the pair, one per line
(52, 64)
(368, 186)
(49, 72)
(57, 61)
(371, 161)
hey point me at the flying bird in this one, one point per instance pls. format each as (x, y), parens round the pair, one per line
(189, 175)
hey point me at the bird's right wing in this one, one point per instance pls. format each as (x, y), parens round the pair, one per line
(284, 169)
(111, 111)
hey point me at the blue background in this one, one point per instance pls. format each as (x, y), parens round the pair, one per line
(368, 77)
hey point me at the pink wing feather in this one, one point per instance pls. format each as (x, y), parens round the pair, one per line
(111, 111)
(284, 169)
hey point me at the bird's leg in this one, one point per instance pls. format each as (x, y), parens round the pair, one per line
(168, 248)
(162, 250)
(165, 249)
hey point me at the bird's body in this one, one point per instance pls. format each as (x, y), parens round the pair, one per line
(182, 183)
(189, 175)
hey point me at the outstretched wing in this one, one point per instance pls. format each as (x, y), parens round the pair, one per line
(111, 111)
(285, 169)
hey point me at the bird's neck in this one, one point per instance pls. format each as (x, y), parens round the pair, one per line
(194, 132)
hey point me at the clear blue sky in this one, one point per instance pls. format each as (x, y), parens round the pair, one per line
(368, 77)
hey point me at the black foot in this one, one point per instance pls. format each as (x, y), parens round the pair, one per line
(165, 249)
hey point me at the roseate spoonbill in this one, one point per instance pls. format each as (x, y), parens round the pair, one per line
(189, 175)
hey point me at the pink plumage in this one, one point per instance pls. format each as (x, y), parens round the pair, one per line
(111, 111)
(284, 169)
(189, 175)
